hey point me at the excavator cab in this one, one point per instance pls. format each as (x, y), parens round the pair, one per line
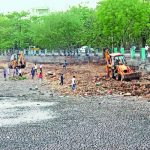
(119, 69)
(118, 60)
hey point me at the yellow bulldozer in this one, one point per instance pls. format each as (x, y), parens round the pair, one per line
(117, 68)
(17, 60)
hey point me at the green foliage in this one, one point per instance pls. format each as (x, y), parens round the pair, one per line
(123, 22)
(15, 30)
(113, 23)
(63, 29)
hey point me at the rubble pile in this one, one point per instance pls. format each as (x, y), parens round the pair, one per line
(91, 80)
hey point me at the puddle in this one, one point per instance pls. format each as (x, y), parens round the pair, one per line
(14, 112)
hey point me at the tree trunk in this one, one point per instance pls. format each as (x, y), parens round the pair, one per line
(143, 41)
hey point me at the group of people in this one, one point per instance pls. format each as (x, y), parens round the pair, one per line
(34, 71)
(16, 72)
(73, 80)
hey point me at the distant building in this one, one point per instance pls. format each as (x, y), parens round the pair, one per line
(41, 11)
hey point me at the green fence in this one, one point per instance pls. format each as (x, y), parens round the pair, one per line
(122, 50)
(143, 54)
(115, 50)
(133, 53)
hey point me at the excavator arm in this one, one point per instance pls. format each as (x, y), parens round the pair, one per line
(108, 62)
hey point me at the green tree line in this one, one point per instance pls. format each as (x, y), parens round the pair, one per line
(113, 23)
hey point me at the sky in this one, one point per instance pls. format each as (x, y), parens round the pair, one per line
(53, 5)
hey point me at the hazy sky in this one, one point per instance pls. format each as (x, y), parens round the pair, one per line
(54, 5)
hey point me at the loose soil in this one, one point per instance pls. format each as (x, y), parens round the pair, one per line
(91, 80)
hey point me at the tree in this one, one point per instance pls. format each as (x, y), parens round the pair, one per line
(63, 30)
(20, 29)
(122, 22)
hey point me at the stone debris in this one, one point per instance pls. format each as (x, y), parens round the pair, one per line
(127, 94)
(91, 80)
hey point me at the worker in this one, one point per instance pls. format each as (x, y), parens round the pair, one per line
(16, 71)
(35, 68)
(61, 79)
(14, 63)
(5, 73)
(40, 76)
(65, 65)
(41, 68)
(20, 72)
(8, 71)
(32, 72)
(146, 50)
(73, 83)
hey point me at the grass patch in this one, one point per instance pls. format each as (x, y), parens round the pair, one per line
(18, 78)
(22, 78)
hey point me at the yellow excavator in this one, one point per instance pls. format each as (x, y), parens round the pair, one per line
(17, 60)
(117, 68)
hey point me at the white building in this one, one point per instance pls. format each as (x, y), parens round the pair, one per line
(41, 11)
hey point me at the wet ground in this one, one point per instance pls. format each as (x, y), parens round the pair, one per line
(35, 117)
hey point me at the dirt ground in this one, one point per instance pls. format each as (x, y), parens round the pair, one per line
(91, 80)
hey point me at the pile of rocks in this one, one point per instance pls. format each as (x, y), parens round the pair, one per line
(91, 80)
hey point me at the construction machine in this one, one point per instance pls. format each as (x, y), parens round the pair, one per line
(117, 68)
(17, 60)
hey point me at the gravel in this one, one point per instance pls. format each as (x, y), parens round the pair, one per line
(81, 123)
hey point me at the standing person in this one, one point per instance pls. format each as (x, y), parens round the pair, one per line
(16, 71)
(41, 68)
(73, 83)
(61, 79)
(35, 68)
(8, 71)
(146, 50)
(40, 76)
(5, 73)
(20, 72)
(65, 65)
(32, 72)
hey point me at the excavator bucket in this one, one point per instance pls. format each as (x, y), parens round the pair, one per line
(132, 76)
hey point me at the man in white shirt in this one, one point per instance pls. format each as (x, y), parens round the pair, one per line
(146, 50)
(35, 68)
(73, 83)
(41, 67)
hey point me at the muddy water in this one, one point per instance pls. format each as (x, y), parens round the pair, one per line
(14, 111)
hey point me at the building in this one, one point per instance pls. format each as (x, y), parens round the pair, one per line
(41, 11)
